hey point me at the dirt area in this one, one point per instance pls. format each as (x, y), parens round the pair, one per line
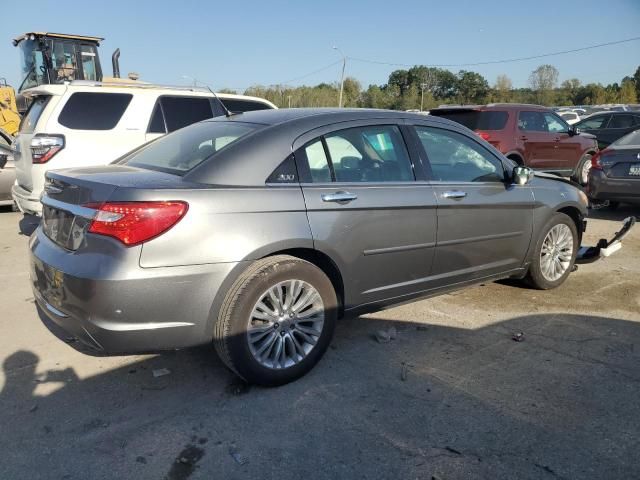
(453, 396)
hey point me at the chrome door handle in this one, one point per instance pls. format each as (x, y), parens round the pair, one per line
(339, 197)
(454, 194)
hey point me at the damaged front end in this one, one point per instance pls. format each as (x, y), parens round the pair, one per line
(604, 247)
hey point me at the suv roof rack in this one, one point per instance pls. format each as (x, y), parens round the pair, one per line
(136, 84)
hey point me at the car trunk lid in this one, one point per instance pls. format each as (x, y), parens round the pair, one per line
(621, 162)
(72, 197)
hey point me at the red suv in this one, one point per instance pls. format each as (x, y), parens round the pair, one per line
(530, 135)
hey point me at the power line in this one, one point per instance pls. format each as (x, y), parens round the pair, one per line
(491, 62)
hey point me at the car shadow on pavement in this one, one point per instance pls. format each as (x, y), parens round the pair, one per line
(618, 214)
(28, 224)
(435, 401)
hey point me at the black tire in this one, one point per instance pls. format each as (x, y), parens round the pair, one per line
(577, 174)
(230, 332)
(535, 277)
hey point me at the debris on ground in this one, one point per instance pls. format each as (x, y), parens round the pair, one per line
(239, 459)
(160, 372)
(518, 337)
(33, 408)
(453, 450)
(404, 372)
(385, 336)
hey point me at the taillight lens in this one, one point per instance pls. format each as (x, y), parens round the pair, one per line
(484, 135)
(136, 222)
(595, 160)
(44, 147)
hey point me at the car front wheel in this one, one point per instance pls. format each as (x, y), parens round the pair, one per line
(555, 253)
(276, 321)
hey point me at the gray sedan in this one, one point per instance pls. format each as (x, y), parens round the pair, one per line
(256, 232)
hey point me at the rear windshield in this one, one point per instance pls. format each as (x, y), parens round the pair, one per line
(188, 147)
(30, 119)
(94, 111)
(476, 120)
(236, 105)
(632, 138)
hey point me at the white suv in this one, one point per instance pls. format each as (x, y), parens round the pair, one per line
(87, 123)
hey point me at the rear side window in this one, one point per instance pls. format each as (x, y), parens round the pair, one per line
(363, 154)
(236, 105)
(30, 119)
(94, 111)
(184, 150)
(476, 120)
(182, 111)
(621, 121)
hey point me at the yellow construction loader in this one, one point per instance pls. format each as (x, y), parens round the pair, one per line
(9, 117)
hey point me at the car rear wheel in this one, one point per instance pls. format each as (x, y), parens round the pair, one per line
(555, 253)
(276, 321)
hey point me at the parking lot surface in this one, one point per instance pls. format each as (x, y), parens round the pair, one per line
(453, 396)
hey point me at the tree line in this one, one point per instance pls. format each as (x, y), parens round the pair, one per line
(421, 88)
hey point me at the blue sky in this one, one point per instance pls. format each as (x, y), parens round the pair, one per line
(242, 43)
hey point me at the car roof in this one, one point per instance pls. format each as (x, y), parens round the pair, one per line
(283, 130)
(134, 87)
(490, 107)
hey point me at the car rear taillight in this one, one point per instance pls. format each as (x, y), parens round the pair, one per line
(44, 147)
(483, 135)
(595, 160)
(136, 222)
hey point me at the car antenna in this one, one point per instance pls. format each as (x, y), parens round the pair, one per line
(227, 112)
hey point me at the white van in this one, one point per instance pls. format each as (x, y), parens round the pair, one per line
(92, 123)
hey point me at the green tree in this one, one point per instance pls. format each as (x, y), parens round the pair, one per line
(503, 87)
(628, 92)
(472, 87)
(543, 80)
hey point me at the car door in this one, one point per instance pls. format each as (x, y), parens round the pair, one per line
(567, 149)
(538, 144)
(367, 210)
(619, 125)
(595, 125)
(484, 221)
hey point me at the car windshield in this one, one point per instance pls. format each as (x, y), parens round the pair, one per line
(188, 147)
(477, 120)
(632, 138)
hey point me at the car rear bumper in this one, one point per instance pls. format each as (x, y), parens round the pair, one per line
(143, 311)
(602, 187)
(26, 201)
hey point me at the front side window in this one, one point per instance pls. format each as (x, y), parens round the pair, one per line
(182, 111)
(94, 111)
(456, 158)
(369, 154)
(594, 123)
(555, 124)
(532, 122)
(184, 150)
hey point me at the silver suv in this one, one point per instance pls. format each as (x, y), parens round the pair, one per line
(257, 231)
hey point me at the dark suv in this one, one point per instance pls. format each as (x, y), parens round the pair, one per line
(609, 126)
(530, 135)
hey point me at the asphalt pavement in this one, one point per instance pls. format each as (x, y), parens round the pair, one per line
(453, 396)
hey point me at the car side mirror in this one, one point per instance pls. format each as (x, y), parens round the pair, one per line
(521, 175)
(573, 131)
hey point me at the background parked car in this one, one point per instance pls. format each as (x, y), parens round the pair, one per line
(138, 256)
(569, 116)
(7, 173)
(89, 123)
(529, 135)
(609, 126)
(615, 173)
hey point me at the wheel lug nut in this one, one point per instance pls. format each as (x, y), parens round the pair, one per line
(276, 325)
(282, 333)
(291, 315)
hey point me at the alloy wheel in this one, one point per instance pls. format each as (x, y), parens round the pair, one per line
(556, 252)
(285, 324)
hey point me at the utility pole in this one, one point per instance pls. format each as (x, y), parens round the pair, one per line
(344, 65)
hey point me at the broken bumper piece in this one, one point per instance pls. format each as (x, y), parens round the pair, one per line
(605, 247)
